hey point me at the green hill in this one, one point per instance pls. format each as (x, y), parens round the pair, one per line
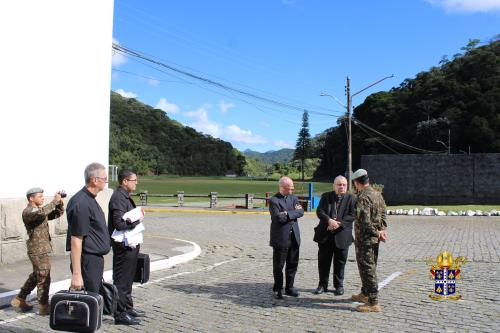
(460, 97)
(146, 140)
(272, 156)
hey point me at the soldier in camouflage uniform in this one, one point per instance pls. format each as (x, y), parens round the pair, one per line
(35, 218)
(369, 229)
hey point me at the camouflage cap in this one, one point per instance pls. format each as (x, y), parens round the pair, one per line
(359, 173)
(34, 190)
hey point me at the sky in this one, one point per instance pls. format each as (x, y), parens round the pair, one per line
(244, 71)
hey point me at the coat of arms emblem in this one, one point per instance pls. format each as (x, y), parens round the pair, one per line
(445, 272)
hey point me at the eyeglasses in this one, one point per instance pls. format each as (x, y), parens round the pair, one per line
(105, 179)
(131, 180)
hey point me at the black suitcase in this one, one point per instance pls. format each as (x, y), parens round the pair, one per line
(142, 268)
(109, 293)
(76, 311)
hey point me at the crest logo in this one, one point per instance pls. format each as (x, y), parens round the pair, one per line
(445, 272)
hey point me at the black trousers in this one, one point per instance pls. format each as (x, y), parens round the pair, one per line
(326, 252)
(290, 256)
(92, 266)
(124, 265)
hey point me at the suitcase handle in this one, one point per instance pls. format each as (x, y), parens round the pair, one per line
(81, 291)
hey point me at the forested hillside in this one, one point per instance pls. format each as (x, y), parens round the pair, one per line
(272, 156)
(459, 99)
(147, 140)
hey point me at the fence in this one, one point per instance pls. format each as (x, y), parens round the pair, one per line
(213, 198)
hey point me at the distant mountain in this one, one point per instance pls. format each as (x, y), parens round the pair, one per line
(272, 156)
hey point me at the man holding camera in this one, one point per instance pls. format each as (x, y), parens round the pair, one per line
(36, 220)
(124, 257)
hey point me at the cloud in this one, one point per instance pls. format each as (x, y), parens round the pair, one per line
(126, 94)
(283, 144)
(117, 59)
(265, 124)
(467, 6)
(224, 107)
(164, 105)
(234, 133)
(202, 123)
(153, 82)
(231, 133)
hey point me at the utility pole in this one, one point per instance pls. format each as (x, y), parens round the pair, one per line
(349, 118)
(349, 134)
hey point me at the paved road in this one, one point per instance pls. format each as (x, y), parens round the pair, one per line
(228, 287)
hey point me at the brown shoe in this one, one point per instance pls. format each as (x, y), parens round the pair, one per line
(360, 298)
(44, 309)
(369, 308)
(20, 304)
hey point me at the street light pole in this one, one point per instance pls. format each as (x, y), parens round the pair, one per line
(349, 117)
(349, 134)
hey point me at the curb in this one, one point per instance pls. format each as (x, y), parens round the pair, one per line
(157, 265)
(207, 211)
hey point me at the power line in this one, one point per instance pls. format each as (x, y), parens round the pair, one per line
(132, 53)
(359, 123)
(378, 140)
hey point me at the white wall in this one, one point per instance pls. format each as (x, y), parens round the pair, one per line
(55, 81)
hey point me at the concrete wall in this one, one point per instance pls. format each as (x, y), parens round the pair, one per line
(55, 82)
(13, 234)
(436, 179)
(55, 85)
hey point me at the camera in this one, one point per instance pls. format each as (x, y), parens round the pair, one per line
(63, 193)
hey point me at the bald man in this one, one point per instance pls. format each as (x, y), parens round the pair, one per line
(285, 209)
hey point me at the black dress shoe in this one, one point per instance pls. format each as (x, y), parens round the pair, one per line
(320, 290)
(136, 313)
(126, 319)
(339, 291)
(291, 292)
(278, 294)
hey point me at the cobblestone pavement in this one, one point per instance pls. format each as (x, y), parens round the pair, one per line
(228, 287)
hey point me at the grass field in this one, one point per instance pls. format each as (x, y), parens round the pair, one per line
(239, 186)
(221, 185)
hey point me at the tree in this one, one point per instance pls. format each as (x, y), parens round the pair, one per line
(303, 148)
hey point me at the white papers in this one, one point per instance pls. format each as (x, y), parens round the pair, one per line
(135, 214)
(132, 237)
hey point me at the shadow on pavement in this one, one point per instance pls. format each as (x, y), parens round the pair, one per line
(260, 294)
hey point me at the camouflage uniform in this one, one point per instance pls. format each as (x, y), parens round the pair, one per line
(370, 218)
(36, 221)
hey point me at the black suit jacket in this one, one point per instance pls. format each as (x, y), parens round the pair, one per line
(281, 222)
(119, 204)
(346, 214)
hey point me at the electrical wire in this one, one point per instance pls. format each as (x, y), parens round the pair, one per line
(126, 51)
(410, 147)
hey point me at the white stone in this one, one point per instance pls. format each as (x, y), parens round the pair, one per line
(470, 213)
(428, 211)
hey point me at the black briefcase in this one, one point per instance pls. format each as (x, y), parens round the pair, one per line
(76, 311)
(109, 293)
(142, 268)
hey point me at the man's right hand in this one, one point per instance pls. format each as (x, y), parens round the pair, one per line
(382, 235)
(76, 282)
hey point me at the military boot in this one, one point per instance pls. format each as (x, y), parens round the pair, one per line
(20, 304)
(360, 298)
(44, 309)
(369, 308)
